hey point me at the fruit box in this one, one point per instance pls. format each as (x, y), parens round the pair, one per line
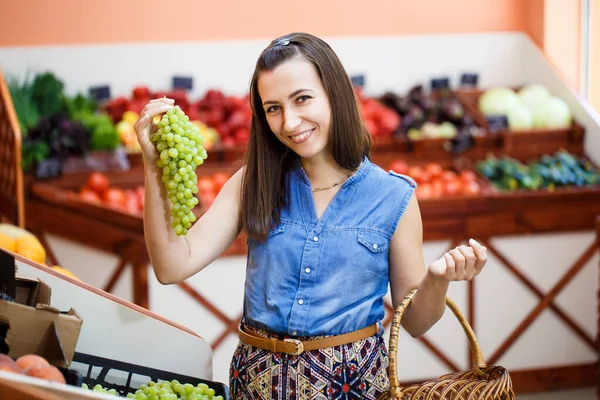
(41, 330)
(532, 142)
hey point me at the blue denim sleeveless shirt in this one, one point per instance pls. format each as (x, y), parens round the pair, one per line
(326, 276)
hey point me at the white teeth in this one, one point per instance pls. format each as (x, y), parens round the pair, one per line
(302, 136)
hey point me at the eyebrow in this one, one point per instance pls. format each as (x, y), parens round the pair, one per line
(289, 97)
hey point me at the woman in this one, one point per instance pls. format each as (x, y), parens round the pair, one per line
(327, 232)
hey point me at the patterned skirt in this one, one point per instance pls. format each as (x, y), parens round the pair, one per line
(357, 370)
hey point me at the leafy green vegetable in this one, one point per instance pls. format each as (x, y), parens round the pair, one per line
(104, 134)
(47, 93)
(22, 97)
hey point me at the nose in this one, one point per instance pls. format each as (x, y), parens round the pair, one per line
(291, 120)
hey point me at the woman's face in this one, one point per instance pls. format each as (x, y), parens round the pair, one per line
(296, 106)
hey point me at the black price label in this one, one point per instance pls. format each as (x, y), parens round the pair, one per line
(440, 83)
(469, 79)
(358, 80)
(49, 168)
(183, 82)
(100, 93)
(497, 123)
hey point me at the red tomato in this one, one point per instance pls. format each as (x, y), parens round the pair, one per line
(434, 169)
(448, 176)
(207, 199)
(424, 191)
(415, 173)
(132, 202)
(452, 187)
(97, 182)
(437, 188)
(206, 185)
(219, 179)
(399, 167)
(90, 196)
(115, 197)
(471, 188)
(468, 176)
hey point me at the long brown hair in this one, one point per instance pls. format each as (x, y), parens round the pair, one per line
(268, 160)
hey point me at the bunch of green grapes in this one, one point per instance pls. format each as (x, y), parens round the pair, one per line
(174, 391)
(179, 144)
(99, 389)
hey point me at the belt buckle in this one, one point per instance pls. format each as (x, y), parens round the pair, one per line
(299, 346)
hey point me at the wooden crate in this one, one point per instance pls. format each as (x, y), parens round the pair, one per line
(530, 143)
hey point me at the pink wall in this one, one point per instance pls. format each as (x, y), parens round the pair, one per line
(43, 22)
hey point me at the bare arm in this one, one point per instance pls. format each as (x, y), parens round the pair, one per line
(176, 258)
(408, 272)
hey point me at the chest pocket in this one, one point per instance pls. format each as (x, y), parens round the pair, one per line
(374, 242)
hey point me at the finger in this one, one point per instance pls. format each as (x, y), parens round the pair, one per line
(148, 114)
(152, 106)
(470, 260)
(163, 100)
(459, 261)
(480, 253)
(450, 267)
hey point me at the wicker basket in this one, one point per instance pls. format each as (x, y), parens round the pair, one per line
(479, 383)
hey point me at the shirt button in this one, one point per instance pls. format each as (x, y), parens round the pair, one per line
(307, 270)
(375, 246)
(294, 333)
(300, 301)
(316, 239)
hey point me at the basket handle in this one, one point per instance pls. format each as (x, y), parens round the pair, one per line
(395, 330)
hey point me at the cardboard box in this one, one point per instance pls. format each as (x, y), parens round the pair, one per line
(41, 330)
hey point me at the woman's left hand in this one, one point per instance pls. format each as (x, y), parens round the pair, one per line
(460, 264)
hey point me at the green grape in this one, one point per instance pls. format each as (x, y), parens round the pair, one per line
(153, 390)
(179, 144)
(218, 398)
(179, 229)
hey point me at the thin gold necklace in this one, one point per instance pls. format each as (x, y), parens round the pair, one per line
(337, 183)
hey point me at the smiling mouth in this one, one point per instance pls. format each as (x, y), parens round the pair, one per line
(299, 138)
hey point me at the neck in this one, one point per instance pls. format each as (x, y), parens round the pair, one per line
(322, 170)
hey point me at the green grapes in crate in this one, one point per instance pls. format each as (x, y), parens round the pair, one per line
(179, 144)
(174, 391)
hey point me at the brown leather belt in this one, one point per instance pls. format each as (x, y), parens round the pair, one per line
(297, 347)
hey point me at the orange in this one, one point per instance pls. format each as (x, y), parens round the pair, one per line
(64, 271)
(8, 243)
(31, 248)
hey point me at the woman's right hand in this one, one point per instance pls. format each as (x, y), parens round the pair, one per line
(145, 126)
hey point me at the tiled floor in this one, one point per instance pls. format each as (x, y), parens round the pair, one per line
(580, 394)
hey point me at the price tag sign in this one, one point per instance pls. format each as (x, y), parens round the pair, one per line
(497, 123)
(100, 93)
(183, 82)
(358, 80)
(469, 79)
(440, 83)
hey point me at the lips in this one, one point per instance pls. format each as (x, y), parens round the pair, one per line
(302, 137)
